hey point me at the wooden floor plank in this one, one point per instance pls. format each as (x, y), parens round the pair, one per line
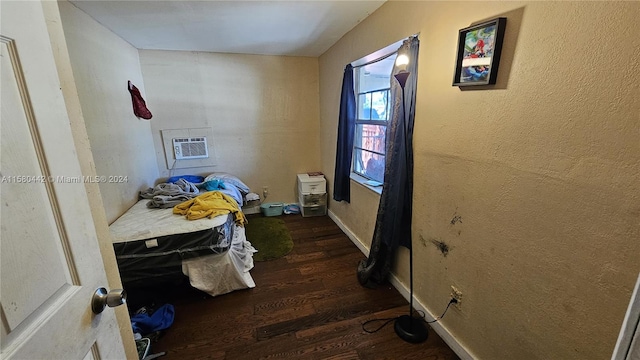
(306, 305)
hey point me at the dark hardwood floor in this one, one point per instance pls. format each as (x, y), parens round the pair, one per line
(307, 305)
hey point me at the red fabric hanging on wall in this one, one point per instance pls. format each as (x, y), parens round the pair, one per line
(139, 105)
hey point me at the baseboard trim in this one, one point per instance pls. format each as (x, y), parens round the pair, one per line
(349, 233)
(442, 331)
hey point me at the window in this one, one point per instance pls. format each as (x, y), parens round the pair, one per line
(372, 85)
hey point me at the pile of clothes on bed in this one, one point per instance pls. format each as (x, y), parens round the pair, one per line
(198, 197)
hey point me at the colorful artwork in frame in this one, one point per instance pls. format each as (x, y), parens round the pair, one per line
(479, 48)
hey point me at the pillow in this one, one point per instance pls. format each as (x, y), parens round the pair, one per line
(229, 179)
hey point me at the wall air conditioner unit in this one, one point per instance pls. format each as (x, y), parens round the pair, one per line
(190, 148)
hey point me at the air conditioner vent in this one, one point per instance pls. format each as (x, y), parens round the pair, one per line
(190, 148)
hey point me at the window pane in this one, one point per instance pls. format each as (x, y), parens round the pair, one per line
(376, 76)
(371, 137)
(364, 106)
(373, 105)
(379, 105)
(369, 165)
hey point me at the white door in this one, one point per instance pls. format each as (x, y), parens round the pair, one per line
(628, 344)
(50, 261)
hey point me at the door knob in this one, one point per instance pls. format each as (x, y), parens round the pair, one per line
(102, 299)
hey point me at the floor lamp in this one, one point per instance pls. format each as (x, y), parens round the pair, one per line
(408, 327)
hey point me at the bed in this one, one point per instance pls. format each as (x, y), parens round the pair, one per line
(154, 244)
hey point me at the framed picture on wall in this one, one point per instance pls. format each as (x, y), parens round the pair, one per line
(478, 57)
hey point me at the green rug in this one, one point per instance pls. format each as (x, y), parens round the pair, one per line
(270, 236)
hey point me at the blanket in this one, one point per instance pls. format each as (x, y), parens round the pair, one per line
(168, 195)
(210, 204)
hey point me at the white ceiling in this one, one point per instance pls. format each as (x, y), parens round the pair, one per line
(294, 28)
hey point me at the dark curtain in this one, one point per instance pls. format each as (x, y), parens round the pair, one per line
(346, 134)
(393, 222)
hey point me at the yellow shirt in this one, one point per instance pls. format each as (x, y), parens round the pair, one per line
(210, 204)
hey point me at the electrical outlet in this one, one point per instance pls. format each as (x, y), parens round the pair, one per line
(265, 192)
(456, 294)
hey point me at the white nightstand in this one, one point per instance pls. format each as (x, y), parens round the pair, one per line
(312, 195)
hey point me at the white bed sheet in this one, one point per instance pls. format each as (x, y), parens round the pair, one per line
(220, 274)
(141, 222)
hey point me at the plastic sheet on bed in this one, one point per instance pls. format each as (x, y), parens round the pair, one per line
(161, 256)
(155, 246)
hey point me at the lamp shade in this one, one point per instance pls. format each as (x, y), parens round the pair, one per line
(402, 78)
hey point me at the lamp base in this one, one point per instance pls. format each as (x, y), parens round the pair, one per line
(411, 329)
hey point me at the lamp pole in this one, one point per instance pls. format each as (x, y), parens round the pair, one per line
(407, 327)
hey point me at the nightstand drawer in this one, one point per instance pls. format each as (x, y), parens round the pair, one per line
(315, 210)
(313, 199)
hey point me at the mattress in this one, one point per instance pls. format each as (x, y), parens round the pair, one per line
(154, 244)
(140, 223)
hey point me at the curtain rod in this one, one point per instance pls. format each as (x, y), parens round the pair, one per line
(387, 55)
(375, 60)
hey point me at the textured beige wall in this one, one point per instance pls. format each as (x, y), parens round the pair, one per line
(263, 109)
(121, 143)
(543, 172)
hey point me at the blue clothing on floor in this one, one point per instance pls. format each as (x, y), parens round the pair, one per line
(159, 320)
